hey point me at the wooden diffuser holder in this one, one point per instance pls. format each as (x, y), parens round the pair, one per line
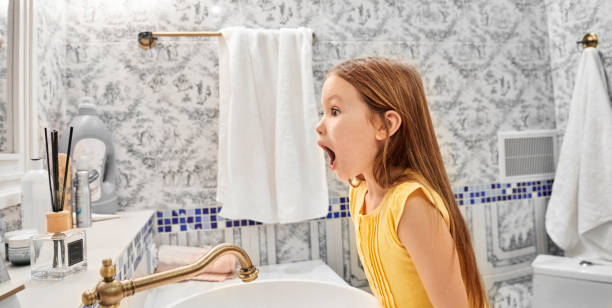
(58, 221)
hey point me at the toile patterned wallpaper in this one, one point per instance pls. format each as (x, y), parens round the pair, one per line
(51, 57)
(10, 219)
(486, 66)
(483, 71)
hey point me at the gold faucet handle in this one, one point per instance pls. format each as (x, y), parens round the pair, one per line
(108, 270)
(89, 297)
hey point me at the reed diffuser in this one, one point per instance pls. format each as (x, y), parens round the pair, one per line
(61, 251)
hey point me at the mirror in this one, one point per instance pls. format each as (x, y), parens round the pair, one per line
(6, 126)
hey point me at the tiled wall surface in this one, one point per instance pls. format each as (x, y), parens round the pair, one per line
(330, 240)
(506, 221)
(137, 251)
(210, 217)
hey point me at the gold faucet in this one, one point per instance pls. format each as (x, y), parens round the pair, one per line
(109, 292)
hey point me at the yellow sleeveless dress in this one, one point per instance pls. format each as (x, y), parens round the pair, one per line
(388, 266)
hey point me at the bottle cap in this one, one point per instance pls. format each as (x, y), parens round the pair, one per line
(82, 163)
(36, 163)
(20, 241)
(10, 234)
(87, 107)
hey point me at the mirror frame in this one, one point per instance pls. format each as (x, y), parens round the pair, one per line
(21, 93)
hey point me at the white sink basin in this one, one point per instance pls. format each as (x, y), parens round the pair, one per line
(281, 293)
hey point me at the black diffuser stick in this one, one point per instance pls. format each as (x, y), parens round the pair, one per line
(49, 169)
(52, 169)
(66, 168)
(56, 205)
(54, 145)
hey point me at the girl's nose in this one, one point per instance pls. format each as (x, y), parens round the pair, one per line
(320, 128)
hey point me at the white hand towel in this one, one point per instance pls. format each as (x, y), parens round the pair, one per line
(579, 212)
(270, 168)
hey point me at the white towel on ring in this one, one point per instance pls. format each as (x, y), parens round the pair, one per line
(270, 167)
(579, 214)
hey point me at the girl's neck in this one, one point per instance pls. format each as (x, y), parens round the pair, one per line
(375, 192)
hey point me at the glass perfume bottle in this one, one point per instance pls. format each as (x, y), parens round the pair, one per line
(59, 253)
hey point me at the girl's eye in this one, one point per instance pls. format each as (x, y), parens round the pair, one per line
(335, 111)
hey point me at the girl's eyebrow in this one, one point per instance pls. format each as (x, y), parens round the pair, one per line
(335, 96)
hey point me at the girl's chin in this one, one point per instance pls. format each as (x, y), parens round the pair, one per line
(341, 176)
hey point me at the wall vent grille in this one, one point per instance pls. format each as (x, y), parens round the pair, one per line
(528, 155)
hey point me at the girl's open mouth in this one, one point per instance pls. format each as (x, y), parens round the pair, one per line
(332, 156)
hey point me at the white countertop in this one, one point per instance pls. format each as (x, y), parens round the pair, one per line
(105, 239)
(314, 270)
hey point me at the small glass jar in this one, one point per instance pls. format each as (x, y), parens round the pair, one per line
(54, 256)
(59, 253)
(10, 234)
(19, 249)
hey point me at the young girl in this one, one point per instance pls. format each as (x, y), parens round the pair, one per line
(412, 240)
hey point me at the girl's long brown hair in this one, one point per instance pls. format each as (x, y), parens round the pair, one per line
(389, 85)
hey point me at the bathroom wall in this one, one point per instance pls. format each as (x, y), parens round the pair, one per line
(4, 146)
(51, 66)
(568, 22)
(10, 219)
(51, 58)
(483, 72)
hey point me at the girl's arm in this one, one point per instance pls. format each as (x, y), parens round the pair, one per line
(424, 234)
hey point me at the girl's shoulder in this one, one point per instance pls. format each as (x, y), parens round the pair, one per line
(402, 192)
(407, 186)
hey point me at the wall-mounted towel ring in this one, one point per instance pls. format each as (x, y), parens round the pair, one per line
(589, 40)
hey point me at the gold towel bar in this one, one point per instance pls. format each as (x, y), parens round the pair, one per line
(147, 40)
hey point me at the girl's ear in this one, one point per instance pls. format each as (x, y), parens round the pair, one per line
(392, 123)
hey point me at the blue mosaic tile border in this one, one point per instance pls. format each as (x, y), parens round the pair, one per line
(208, 218)
(170, 221)
(195, 219)
(131, 256)
(466, 195)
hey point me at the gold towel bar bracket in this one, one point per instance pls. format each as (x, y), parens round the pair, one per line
(589, 40)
